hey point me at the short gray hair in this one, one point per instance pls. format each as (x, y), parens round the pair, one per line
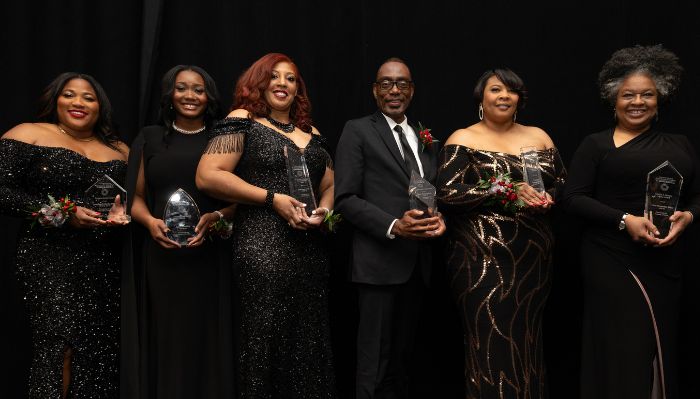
(659, 64)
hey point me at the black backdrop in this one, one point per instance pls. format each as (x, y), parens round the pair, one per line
(557, 48)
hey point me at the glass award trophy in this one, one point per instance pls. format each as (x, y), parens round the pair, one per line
(532, 175)
(101, 197)
(663, 190)
(299, 181)
(181, 216)
(421, 195)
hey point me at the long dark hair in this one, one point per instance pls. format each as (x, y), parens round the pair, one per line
(103, 130)
(167, 112)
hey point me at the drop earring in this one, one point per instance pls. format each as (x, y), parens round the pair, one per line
(481, 112)
(515, 116)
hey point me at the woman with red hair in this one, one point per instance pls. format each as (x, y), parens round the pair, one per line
(280, 257)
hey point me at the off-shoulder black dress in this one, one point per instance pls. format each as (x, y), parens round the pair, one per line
(70, 276)
(282, 273)
(500, 270)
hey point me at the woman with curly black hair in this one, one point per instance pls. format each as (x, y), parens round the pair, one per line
(631, 265)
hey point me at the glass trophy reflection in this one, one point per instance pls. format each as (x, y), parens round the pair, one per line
(101, 196)
(421, 195)
(663, 191)
(532, 175)
(299, 181)
(181, 216)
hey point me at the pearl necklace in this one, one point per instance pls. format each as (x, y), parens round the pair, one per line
(85, 139)
(183, 131)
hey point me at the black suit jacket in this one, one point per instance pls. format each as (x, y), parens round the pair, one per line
(371, 190)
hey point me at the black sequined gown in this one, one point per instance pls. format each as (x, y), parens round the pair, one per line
(282, 273)
(70, 276)
(499, 266)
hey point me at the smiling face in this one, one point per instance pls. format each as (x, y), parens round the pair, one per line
(637, 103)
(77, 107)
(280, 93)
(189, 96)
(499, 102)
(394, 100)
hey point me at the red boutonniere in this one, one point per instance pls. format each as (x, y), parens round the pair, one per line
(426, 139)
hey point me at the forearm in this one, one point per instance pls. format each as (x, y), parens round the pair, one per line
(226, 186)
(229, 211)
(140, 211)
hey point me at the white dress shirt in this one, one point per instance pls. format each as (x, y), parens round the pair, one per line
(412, 139)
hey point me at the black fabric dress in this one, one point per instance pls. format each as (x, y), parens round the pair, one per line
(631, 291)
(70, 276)
(500, 270)
(282, 273)
(184, 304)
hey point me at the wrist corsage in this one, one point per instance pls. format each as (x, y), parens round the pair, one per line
(330, 221)
(222, 229)
(55, 213)
(504, 192)
(426, 139)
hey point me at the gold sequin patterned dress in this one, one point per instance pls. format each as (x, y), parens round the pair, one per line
(499, 270)
(70, 276)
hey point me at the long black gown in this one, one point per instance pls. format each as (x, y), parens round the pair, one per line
(282, 273)
(499, 266)
(70, 276)
(631, 291)
(185, 294)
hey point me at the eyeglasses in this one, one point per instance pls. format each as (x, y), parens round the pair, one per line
(386, 85)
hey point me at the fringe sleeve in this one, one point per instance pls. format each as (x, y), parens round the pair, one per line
(326, 151)
(227, 136)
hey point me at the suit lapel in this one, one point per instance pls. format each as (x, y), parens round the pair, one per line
(425, 156)
(382, 128)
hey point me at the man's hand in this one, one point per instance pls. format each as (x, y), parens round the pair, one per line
(413, 227)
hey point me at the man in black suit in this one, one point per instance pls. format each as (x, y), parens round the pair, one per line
(391, 257)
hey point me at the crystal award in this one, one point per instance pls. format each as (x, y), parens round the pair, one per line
(663, 190)
(531, 168)
(421, 194)
(101, 195)
(299, 181)
(181, 216)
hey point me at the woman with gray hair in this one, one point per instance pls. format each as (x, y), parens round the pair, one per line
(631, 262)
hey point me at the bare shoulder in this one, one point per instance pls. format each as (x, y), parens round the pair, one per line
(123, 150)
(315, 131)
(28, 132)
(538, 135)
(239, 113)
(463, 137)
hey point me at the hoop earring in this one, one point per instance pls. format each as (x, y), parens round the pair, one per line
(515, 116)
(481, 112)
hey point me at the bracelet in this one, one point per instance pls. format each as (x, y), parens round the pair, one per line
(221, 215)
(325, 209)
(269, 198)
